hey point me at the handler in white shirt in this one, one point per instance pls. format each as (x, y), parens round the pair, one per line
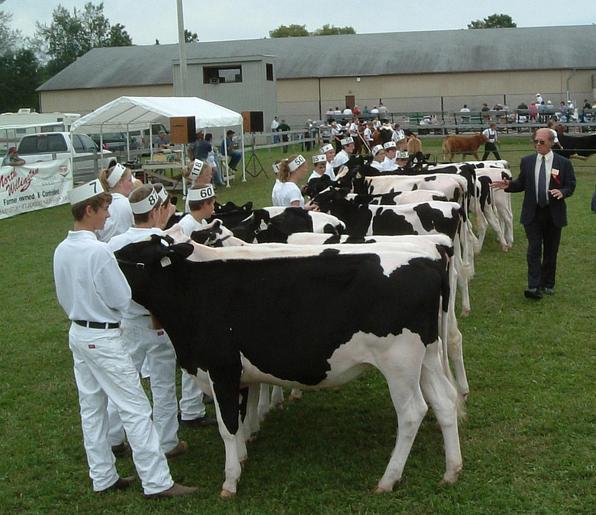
(329, 152)
(378, 153)
(390, 153)
(286, 191)
(343, 156)
(94, 293)
(117, 180)
(151, 211)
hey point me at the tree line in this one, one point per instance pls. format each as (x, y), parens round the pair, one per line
(26, 63)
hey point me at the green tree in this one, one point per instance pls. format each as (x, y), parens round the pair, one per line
(289, 31)
(494, 21)
(190, 37)
(331, 30)
(119, 36)
(21, 75)
(8, 37)
(69, 36)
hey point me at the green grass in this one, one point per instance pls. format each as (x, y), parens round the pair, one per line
(528, 440)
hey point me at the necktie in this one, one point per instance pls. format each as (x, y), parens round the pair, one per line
(541, 194)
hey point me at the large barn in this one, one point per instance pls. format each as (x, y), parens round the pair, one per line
(301, 78)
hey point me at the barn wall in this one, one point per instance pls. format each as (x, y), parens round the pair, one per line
(84, 101)
(298, 99)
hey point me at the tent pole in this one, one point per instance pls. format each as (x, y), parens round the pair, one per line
(127, 143)
(226, 166)
(242, 149)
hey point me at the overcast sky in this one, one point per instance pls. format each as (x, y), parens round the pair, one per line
(218, 20)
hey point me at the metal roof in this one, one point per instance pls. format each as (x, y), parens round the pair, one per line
(444, 51)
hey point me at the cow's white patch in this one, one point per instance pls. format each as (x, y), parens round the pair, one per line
(347, 362)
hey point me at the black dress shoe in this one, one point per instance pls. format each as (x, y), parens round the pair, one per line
(533, 293)
(199, 422)
(121, 450)
(121, 484)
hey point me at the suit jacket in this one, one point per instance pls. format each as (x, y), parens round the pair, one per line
(564, 182)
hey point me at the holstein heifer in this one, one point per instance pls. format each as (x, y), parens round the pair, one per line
(501, 202)
(462, 145)
(312, 345)
(432, 243)
(217, 236)
(422, 218)
(274, 224)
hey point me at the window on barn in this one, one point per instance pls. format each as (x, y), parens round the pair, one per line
(269, 71)
(222, 74)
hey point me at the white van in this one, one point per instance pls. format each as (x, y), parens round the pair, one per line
(46, 146)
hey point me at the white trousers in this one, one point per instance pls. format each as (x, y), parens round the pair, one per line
(104, 370)
(153, 347)
(191, 400)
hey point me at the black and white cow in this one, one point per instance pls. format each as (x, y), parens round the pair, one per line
(274, 224)
(311, 344)
(423, 218)
(428, 243)
(398, 197)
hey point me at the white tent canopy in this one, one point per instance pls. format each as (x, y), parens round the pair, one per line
(137, 113)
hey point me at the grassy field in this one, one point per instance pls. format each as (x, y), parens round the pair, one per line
(528, 440)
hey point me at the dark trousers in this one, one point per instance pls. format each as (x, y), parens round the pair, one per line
(543, 244)
(490, 148)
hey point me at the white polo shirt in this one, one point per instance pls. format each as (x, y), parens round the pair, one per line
(89, 284)
(284, 193)
(188, 224)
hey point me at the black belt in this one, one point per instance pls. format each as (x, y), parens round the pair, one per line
(97, 325)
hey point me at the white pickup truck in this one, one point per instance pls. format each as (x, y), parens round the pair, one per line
(46, 146)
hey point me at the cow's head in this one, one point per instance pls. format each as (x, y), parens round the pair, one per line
(213, 235)
(144, 263)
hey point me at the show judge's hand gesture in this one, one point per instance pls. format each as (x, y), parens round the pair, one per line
(500, 185)
(556, 194)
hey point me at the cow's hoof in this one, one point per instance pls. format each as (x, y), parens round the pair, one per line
(450, 477)
(382, 489)
(243, 461)
(226, 494)
(252, 437)
(465, 312)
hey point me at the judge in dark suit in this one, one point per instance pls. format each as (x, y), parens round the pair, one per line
(546, 180)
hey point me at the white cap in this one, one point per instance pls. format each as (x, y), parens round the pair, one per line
(116, 174)
(202, 193)
(389, 144)
(376, 149)
(294, 164)
(197, 167)
(346, 141)
(85, 191)
(145, 205)
(402, 154)
(326, 148)
(320, 158)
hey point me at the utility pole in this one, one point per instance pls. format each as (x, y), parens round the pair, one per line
(182, 51)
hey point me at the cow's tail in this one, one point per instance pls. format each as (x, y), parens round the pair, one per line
(448, 293)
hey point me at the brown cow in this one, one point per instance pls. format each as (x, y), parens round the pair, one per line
(463, 145)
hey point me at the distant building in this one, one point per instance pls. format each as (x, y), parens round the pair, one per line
(299, 78)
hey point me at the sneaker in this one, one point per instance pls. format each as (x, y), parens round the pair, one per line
(175, 490)
(122, 483)
(181, 448)
(199, 422)
(533, 293)
(121, 450)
